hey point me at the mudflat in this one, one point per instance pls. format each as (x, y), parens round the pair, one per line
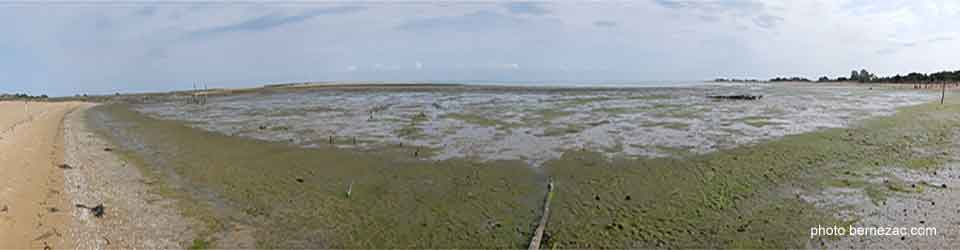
(34, 212)
(295, 192)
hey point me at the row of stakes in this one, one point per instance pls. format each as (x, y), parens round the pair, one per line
(416, 153)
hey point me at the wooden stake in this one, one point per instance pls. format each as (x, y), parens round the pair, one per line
(538, 234)
(350, 189)
(943, 92)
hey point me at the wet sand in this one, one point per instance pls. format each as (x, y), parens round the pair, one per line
(34, 209)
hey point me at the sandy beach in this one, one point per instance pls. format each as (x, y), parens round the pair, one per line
(34, 209)
(52, 163)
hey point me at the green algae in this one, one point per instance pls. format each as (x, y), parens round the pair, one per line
(562, 130)
(670, 125)
(689, 203)
(295, 195)
(480, 120)
(757, 121)
(649, 97)
(551, 114)
(569, 103)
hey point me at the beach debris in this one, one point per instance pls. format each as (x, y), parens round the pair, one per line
(107, 149)
(4, 209)
(53, 209)
(65, 166)
(97, 211)
(736, 97)
(300, 180)
(262, 127)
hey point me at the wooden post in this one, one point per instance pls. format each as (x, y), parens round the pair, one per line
(943, 92)
(538, 234)
(350, 189)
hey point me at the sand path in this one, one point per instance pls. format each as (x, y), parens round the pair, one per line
(34, 210)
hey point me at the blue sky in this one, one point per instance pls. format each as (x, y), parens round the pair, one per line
(66, 48)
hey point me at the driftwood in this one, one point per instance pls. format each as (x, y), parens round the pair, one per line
(735, 97)
(538, 234)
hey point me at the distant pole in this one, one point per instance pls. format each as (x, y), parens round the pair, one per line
(943, 92)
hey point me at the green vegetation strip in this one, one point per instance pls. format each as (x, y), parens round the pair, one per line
(296, 196)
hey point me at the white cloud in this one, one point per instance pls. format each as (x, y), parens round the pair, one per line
(104, 48)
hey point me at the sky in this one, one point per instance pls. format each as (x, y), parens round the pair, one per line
(67, 48)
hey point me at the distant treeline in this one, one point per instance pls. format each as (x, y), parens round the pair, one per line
(865, 76)
(914, 77)
(789, 79)
(735, 80)
(20, 96)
